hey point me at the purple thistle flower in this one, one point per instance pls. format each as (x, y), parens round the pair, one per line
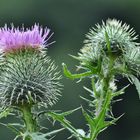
(27, 76)
(16, 38)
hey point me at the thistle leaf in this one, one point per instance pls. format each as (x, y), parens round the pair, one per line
(120, 92)
(69, 75)
(136, 82)
(40, 136)
(109, 123)
(91, 121)
(108, 42)
(12, 127)
(5, 112)
(60, 117)
(53, 132)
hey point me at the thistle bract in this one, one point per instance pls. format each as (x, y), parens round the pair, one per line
(28, 76)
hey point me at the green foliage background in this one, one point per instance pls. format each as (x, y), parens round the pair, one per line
(70, 20)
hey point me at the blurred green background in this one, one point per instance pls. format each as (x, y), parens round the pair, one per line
(70, 20)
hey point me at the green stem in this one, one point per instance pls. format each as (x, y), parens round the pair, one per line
(101, 116)
(106, 103)
(30, 122)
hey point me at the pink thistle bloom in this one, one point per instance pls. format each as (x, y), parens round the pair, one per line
(16, 38)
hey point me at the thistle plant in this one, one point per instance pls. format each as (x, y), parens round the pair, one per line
(29, 80)
(30, 83)
(110, 51)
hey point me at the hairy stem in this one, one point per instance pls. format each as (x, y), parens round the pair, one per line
(30, 122)
(105, 103)
(101, 116)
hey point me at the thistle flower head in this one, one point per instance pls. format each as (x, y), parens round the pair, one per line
(16, 38)
(27, 76)
(121, 38)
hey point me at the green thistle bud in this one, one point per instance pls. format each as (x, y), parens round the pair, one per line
(120, 37)
(28, 77)
(132, 58)
(89, 55)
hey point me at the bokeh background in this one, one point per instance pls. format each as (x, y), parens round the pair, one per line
(70, 20)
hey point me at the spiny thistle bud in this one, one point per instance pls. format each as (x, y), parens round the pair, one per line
(120, 37)
(89, 55)
(132, 58)
(27, 75)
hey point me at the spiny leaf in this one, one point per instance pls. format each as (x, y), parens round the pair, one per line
(109, 123)
(41, 136)
(108, 42)
(90, 91)
(33, 136)
(53, 132)
(85, 99)
(91, 121)
(136, 82)
(120, 92)
(38, 137)
(75, 57)
(5, 112)
(64, 122)
(69, 75)
(70, 112)
(16, 138)
(10, 126)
